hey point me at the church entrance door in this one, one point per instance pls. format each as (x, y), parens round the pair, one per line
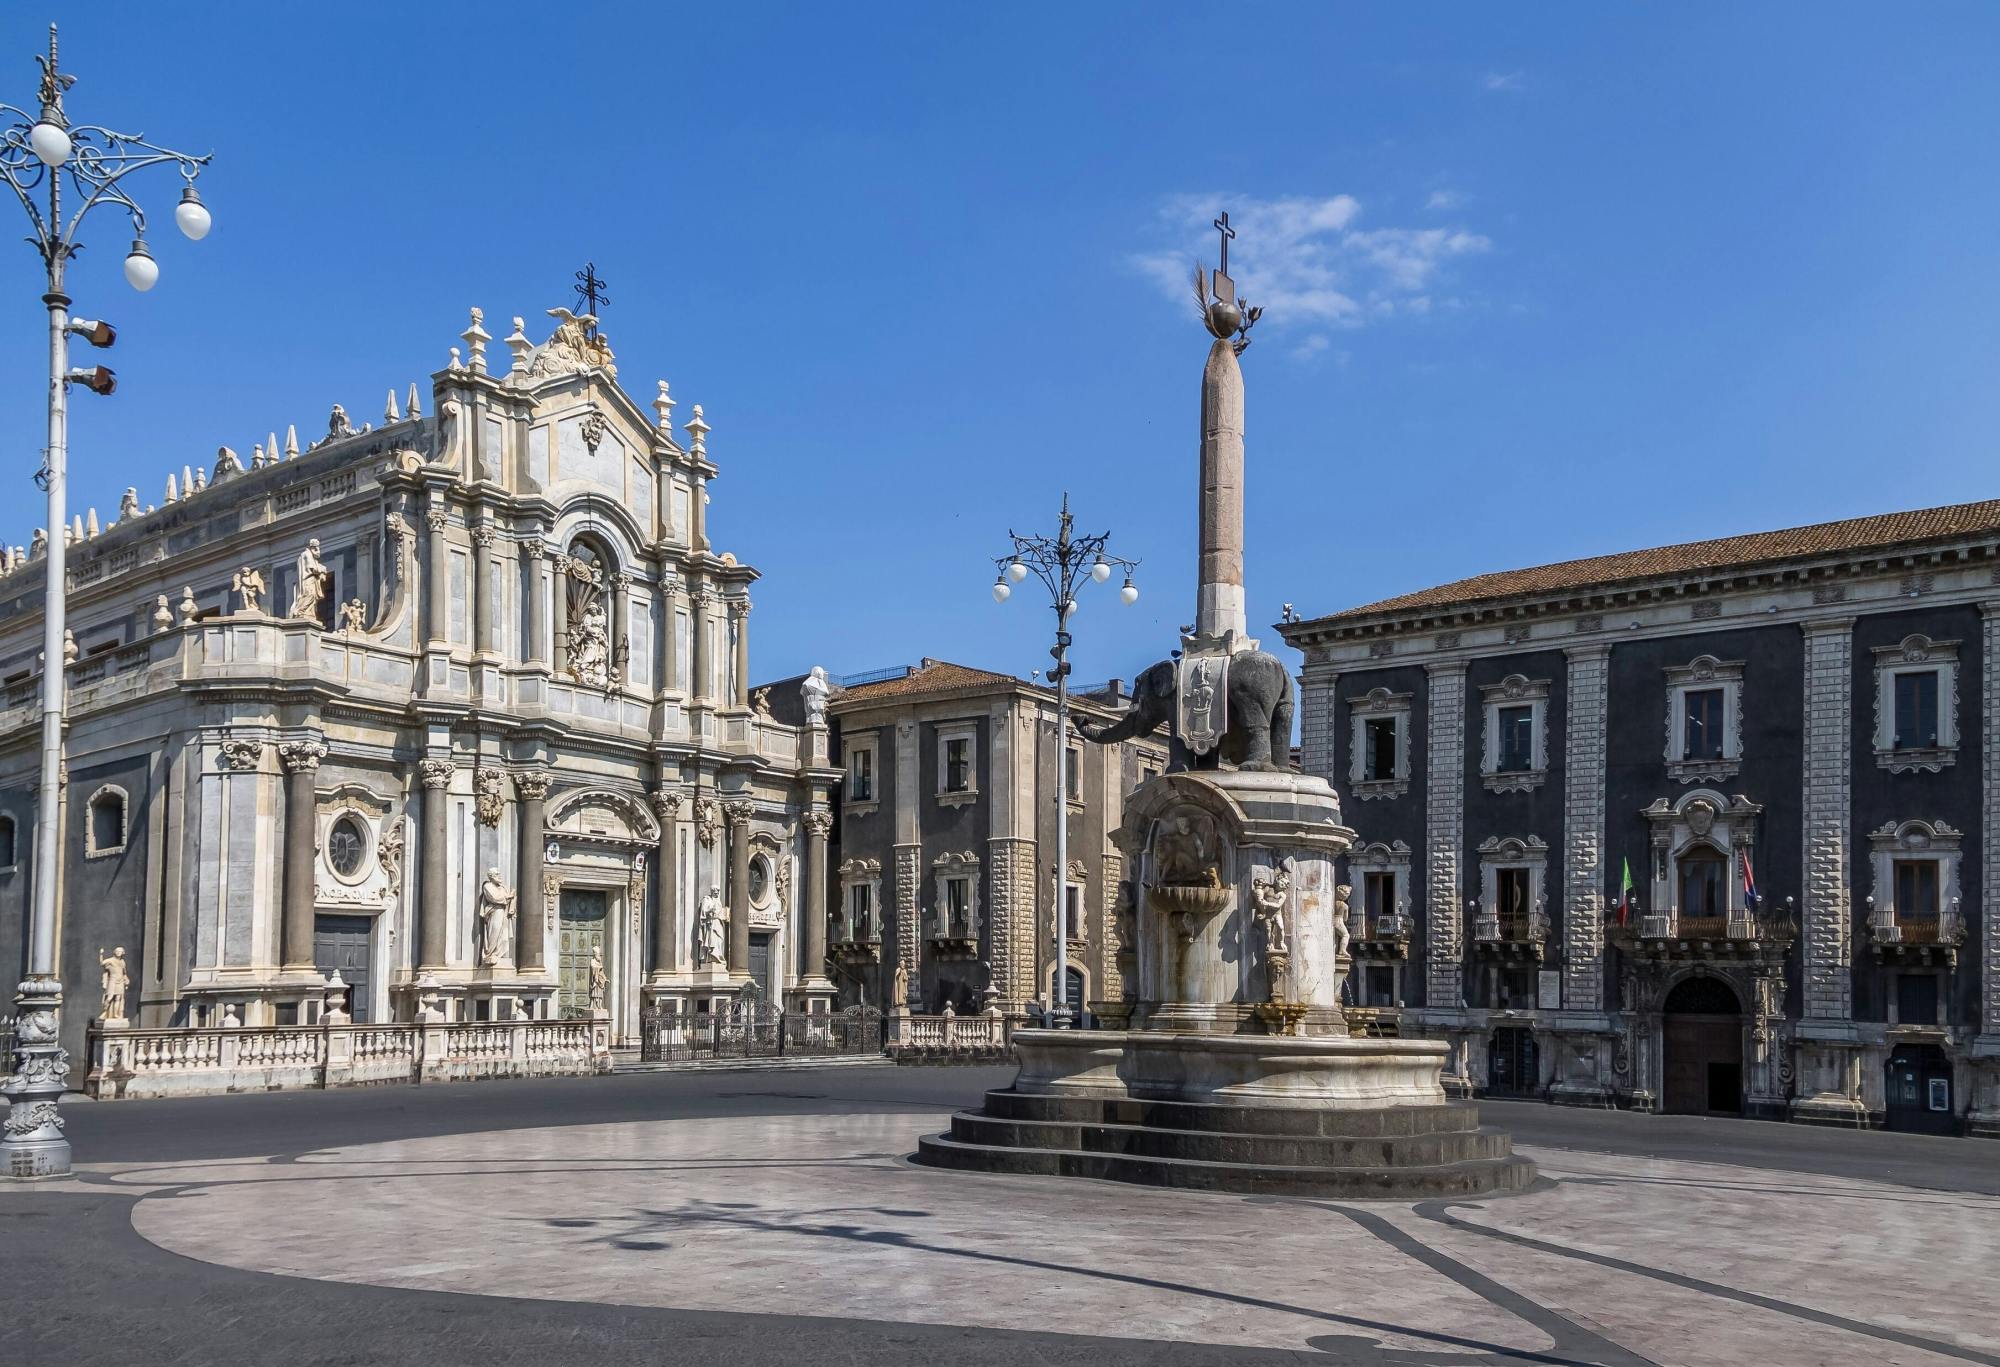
(584, 912)
(341, 942)
(1701, 1058)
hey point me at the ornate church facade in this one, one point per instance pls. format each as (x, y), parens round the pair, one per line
(456, 706)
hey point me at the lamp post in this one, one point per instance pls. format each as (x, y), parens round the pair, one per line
(1064, 563)
(37, 152)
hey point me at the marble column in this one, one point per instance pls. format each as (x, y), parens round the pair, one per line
(666, 907)
(559, 606)
(531, 933)
(812, 917)
(437, 587)
(615, 586)
(739, 814)
(537, 649)
(301, 760)
(433, 904)
(698, 680)
(483, 575)
(739, 615)
(670, 663)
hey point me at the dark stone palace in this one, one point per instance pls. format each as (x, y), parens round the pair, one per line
(1702, 828)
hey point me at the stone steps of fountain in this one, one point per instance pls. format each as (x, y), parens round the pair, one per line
(1326, 1122)
(1216, 1146)
(1467, 1177)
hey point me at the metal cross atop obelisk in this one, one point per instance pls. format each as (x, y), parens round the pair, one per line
(1225, 288)
(590, 295)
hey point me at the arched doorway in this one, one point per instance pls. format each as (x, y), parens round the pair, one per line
(1919, 1090)
(1701, 1053)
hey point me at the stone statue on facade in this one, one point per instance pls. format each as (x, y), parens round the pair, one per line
(599, 979)
(572, 347)
(315, 579)
(816, 691)
(590, 646)
(117, 979)
(250, 584)
(760, 703)
(496, 921)
(1343, 933)
(899, 1000)
(353, 616)
(710, 927)
(1185, 854)
(1268, 897)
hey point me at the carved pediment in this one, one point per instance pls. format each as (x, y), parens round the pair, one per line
(602, 816)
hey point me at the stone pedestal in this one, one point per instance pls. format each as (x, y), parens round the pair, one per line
(1829, 1073)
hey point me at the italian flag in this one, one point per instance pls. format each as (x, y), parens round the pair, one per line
(1625, 892)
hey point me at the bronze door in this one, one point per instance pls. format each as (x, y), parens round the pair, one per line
(583, 916)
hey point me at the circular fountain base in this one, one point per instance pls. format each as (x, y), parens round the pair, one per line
(1340, 1117)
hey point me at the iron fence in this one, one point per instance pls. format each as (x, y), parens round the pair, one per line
(757, 1031)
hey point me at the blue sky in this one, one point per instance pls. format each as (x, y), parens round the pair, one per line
(1542, 281)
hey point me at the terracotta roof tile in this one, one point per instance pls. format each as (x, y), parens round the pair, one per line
(1851, 535)
(938, 676)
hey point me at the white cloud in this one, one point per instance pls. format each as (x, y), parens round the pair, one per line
(1306, 260)
(1505, 80)
(1311, 347)
(1444, 199)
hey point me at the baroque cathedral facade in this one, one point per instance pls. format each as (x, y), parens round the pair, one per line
(1707, 828)
(456, 706)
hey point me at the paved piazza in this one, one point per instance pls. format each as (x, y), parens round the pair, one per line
(810, 1214)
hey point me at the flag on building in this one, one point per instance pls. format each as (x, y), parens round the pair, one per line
(1625, 893)
(1749, 884)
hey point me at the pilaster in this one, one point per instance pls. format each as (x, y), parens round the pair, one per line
(1827, 818)
(532, 788)
(301, 760)
(1444, 791)
(1829, 1058)
(1585, 736)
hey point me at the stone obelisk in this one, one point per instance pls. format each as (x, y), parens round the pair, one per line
(1219, 609)
(1220, 626)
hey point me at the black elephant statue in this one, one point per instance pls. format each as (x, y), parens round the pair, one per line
(1259, 735)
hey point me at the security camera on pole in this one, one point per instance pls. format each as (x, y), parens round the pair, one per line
(1064, 563)
(38, 153)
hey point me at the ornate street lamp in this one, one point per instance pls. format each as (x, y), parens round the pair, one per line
(1064, 563)
(38, 153)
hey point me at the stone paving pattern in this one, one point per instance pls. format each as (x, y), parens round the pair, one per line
(748, 1219)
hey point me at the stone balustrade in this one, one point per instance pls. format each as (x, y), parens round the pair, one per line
(128, 1063)
(949, 1036)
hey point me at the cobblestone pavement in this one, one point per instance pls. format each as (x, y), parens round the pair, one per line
(753, 1219)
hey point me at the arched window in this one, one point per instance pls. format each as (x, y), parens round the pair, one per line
(1703, 890)
(8, 853)
(105, 821)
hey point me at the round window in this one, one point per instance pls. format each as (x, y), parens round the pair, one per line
(347, 846)
(760, 880)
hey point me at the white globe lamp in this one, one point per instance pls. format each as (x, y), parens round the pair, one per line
(51, 143)
(141, 271)
(191, 215)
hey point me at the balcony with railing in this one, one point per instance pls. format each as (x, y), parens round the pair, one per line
(1674, 933)
(1510, 934)
(1916, 936)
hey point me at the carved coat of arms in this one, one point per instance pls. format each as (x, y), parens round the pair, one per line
(1203, 712)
